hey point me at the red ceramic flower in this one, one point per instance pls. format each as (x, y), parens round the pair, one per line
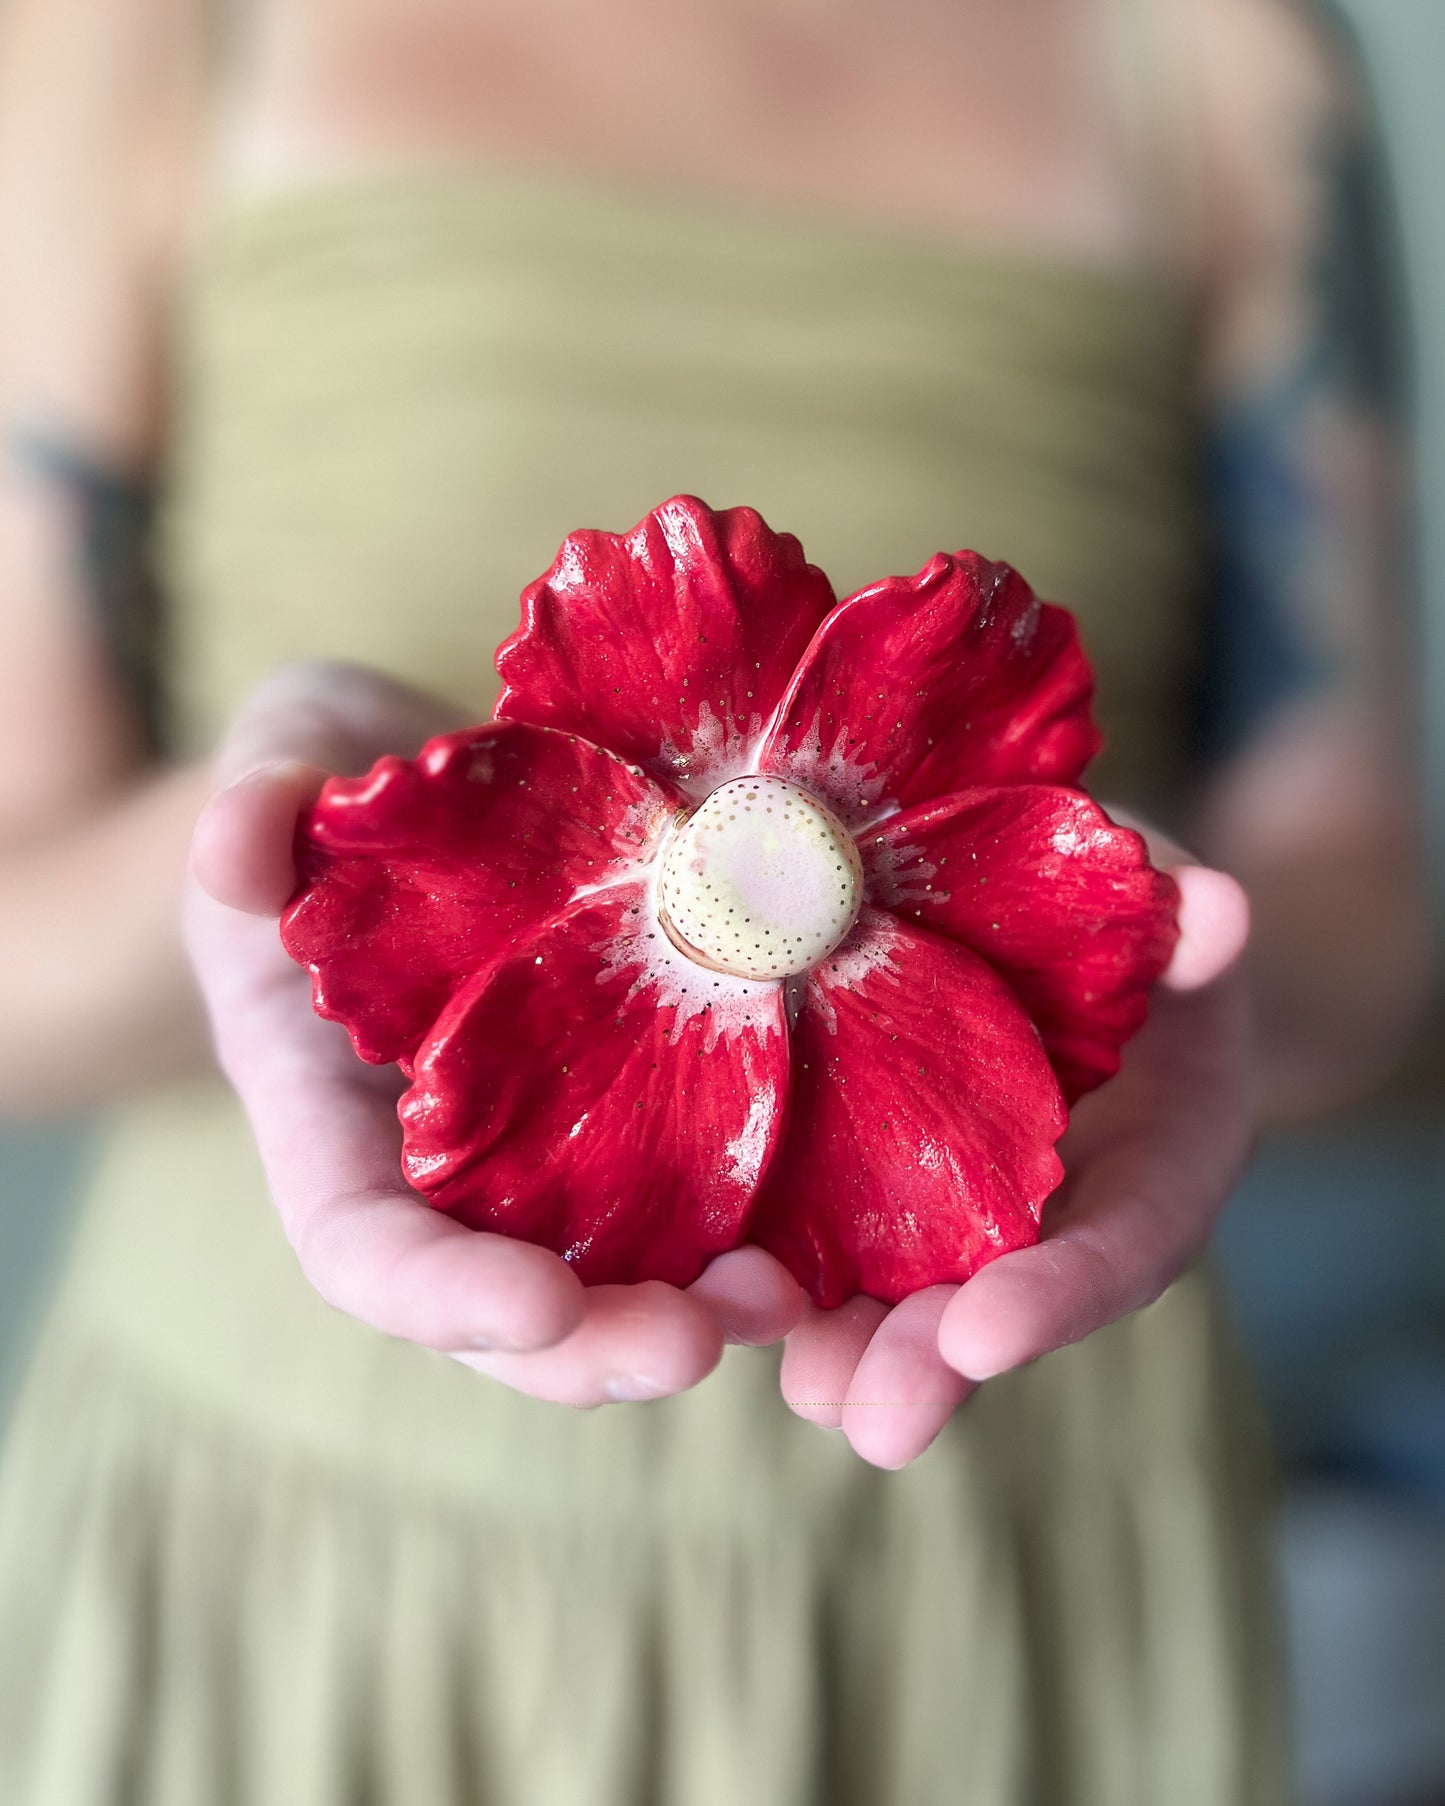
(751, 916)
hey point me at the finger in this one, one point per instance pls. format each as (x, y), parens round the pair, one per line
(821, 1355)
(302, 723)
(1149, 1172)
(1213, 927)
(903, 1392)
(326, 1129)
(387, 1258)
(332, 714)
(752, 1295)
(635, 1342)
(1213, 910)
(242, 850)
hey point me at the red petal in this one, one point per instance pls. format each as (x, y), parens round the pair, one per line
(923, 1120)
(1059, 900)
(919, 686)
(600, 1094)
(671, 644)
(414, 875)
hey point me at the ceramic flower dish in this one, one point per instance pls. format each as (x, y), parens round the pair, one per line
(752, 915)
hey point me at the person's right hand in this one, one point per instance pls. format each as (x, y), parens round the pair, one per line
(1150, 1159)
(325, 1122)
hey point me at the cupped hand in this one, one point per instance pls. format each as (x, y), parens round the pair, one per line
(325, 1122)
(1149, 1161)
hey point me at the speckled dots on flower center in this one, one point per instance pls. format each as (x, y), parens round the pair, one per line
(761, 880)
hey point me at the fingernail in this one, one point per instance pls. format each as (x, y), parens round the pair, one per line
(804, 1408)
(500, 1345)
(287, 773)
(256, 771)
(632, 1388)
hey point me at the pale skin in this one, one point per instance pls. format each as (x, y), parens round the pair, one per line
(1311, 808)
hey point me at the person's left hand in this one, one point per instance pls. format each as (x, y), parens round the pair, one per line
(326, 1125)
(1149, 1160)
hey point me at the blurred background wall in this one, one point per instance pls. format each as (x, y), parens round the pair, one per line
(1404, 42)
(1335, 1250)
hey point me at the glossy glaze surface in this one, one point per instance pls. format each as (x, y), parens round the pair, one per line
(488, 917)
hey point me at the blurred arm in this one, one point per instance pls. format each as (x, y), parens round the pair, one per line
(1313, 803)
(96, 104)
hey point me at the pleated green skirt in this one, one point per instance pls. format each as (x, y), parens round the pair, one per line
(360, 1573)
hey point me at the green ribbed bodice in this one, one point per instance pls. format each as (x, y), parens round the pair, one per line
(403, 394)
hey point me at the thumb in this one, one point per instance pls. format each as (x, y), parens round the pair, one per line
(301, 724)
(242, 849)
(1213, 911)
(1213, 927)
(328, 713)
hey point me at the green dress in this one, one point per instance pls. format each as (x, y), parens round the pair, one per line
(252, 1552)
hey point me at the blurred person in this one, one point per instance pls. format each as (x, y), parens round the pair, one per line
(378, 300)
